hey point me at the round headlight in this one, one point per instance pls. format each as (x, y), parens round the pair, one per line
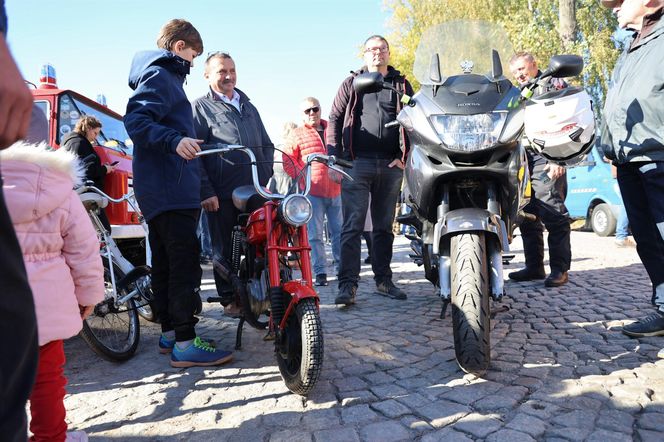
(296, 210)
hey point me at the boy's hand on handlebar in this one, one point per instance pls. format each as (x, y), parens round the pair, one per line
(397, 162)
(210, 204)
(187, 148)
(554, 171)
(85, 310)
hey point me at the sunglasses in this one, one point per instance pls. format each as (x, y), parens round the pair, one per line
(314, 109)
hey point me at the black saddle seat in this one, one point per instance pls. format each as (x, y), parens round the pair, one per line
(246, 199)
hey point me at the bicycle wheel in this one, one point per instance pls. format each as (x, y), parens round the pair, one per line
(112, 331)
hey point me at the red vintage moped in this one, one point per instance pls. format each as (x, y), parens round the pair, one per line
(269, 242)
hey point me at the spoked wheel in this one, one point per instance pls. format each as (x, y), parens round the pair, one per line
(113, 331)
(470, 302)
(300, 357)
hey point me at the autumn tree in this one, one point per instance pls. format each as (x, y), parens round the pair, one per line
(542, 27)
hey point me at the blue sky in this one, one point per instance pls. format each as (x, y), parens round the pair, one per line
(284, 50)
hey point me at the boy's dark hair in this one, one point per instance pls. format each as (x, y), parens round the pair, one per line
(178, 29)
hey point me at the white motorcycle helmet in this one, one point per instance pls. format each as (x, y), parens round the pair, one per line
(561, 125)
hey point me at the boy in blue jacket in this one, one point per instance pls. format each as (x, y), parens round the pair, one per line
(167, 187)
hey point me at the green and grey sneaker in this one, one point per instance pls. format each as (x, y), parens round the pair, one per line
(199, 354)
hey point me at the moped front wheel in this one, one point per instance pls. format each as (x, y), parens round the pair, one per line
(113, 331)
(470, 302)
(300, 357)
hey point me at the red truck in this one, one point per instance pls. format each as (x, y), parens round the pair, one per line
(63, 107)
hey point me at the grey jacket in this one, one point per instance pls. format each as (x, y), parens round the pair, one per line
(218, 122)
(632, 129)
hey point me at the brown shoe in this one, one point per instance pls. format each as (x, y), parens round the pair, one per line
(527, 274)
(556, 279)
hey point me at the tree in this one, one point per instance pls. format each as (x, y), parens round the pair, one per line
(541, 27)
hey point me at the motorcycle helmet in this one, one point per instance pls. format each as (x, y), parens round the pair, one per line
(561, 125)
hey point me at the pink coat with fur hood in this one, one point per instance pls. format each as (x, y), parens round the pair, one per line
(59, 244)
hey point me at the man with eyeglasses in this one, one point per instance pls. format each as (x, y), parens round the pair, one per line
(225, 115)
(632, 138)
(357, 132)
(306, 140)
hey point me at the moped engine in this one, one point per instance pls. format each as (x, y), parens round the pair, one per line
(258, 294)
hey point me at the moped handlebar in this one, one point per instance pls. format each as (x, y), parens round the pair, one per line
(394, 123)
(129, 197)
(330, 160)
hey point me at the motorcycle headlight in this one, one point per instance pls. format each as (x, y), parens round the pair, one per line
(296, 210)
(469, 133)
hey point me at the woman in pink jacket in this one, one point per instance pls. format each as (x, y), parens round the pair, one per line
(61, 253)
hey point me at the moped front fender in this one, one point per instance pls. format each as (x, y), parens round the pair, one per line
(298, 290)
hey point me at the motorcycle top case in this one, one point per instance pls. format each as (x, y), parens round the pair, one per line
(561, 125)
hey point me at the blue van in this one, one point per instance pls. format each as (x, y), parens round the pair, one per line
(593, 194)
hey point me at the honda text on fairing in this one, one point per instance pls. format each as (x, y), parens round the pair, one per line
(467, 177)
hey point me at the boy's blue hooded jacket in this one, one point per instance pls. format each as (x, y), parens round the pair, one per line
(158, 116)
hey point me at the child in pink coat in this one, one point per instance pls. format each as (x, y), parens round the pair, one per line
(61, 253)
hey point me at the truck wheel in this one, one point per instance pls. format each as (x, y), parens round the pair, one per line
(602, 220)
(470, 302)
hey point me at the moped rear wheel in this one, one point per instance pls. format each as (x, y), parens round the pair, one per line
(300, 359)
(113, 331)
(470, 302)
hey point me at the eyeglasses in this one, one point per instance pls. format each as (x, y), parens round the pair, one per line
(314, 109)
(381, 49)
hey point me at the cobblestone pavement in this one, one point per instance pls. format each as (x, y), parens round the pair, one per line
(561, 369)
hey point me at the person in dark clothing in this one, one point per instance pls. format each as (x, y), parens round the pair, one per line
(18, 365)
(225, 115)
(167, 187)
(80, 142)
(547, 203)
(632, 138)
(356, 132)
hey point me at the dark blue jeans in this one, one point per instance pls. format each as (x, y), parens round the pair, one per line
(642, 188)
(370, 177)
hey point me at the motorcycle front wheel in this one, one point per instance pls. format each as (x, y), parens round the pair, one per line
(470, 302)
(300, 359)
(113, 331)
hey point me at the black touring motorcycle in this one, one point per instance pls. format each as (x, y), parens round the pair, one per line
(467, 177)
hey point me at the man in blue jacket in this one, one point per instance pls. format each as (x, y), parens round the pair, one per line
(167, 186)
(225, 115)
(632, 138)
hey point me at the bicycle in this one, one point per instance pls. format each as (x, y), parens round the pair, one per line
(113, 329)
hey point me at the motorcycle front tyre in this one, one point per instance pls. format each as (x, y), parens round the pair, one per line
(113, 332)
(470, 302)
(302, 366)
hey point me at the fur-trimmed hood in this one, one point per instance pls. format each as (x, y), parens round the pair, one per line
(40, 177)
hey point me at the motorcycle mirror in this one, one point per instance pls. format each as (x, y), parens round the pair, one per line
(561, 66)
(368, 82)
(434, 69)
(496, 65)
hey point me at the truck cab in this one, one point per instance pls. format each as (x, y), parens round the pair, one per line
(63, 107)
(593, 194)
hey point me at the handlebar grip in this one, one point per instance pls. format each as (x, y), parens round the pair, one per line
(343, 163)
(394, 123)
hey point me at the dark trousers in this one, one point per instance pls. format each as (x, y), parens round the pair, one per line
(548, 204)
(18, 364)
(642, 189)
(221, 225)
(176, 271)
(370, 177)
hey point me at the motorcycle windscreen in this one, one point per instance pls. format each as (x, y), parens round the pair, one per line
(463, 46)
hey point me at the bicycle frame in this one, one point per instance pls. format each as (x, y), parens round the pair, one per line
(108, 246)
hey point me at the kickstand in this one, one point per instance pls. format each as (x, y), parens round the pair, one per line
(238, 335)
(444, 308)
